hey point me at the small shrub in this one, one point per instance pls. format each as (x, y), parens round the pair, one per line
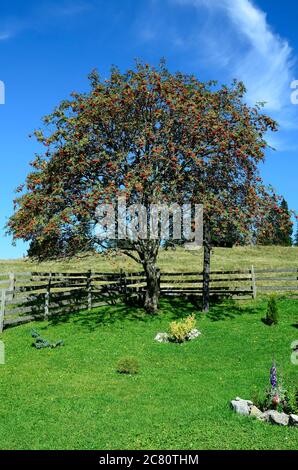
(258, 398)
(128, 365)
(179, 330)
(272, 311)
(292, 401)
(41, 343)
(277, 397)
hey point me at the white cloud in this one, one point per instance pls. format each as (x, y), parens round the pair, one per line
(239, 39)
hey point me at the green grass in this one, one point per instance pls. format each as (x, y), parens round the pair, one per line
(72, 397)
(180, 260)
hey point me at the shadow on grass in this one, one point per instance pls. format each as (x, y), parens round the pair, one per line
(179, 307)
(268, 322)
(105, 315)
(229, 310)
(171, 308)
(120, 312)
(219, 310)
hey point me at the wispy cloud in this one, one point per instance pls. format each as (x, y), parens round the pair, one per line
(239, 39)
(66, 8)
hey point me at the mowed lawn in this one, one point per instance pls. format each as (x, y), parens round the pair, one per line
(73, 398)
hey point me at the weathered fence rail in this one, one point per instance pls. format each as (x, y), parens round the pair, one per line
(230, 284)
(39, 295)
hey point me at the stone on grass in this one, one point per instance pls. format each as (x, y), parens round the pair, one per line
(250, 403)
(162, 338)
(281, 419)
(242, 407)
(193, 334)
(254, 411)
(265, 416)
(165, 338)
(247, 408)
(293, 420)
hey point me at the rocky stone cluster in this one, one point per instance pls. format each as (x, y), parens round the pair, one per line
(166, 338)
(247, 408)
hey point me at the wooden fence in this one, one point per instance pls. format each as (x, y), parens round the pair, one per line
(40, 295)
(37, 295)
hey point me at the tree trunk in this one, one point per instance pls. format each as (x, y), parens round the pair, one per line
(151, 303)
(147, 251)
(206, 269)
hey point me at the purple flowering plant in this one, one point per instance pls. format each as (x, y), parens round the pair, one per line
(276, 397)
(273, 375)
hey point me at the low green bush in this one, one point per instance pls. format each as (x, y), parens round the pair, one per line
(128, 365)
(41, 343)
(272, 311)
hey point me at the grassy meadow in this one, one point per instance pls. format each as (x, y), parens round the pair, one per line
(170, 261)
(73, 398)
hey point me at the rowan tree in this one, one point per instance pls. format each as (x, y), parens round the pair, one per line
(150, 136)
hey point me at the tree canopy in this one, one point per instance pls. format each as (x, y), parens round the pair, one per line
(277, 227)
(150, 136)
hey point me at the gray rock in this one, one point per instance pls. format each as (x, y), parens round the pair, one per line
(240, 406)
(265, 416)
(250, 403)
(193, 334)
(162, 338)
(255, 412)
(281, 419)
(293, 420)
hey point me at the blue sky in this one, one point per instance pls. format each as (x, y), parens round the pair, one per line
(47, 49)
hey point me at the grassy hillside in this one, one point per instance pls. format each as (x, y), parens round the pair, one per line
(179, 260)
(73, 398)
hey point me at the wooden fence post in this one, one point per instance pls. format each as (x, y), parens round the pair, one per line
(12, 286)
(253, 280)
(123, 284)
(2, 309)
(47, 298)
(158, 276)
(89, 289)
